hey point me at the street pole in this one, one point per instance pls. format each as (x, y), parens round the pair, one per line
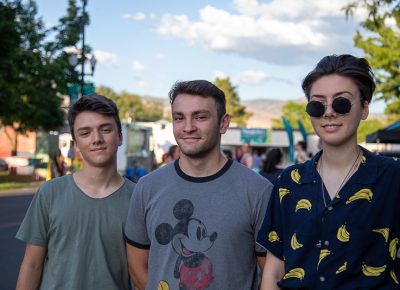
(83, 46)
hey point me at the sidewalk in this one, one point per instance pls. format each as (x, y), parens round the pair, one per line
(18, 191)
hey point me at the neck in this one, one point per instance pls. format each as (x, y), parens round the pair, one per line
(98, 182)
(339, 157)
(202, 167)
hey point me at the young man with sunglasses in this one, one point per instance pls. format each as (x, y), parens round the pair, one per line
(333, 222)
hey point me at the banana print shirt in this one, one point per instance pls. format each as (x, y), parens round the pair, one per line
(352, 243)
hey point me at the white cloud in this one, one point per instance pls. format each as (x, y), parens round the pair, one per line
(253, 77)
(137, 66)
(105, 57)
(138, 16)
(279, 31)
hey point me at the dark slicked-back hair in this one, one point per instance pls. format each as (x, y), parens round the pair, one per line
(200, 88)
(345, 65)
(93, 103)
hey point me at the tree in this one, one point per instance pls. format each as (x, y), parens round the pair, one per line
(33, 70)
(381, 45)
(132, 107)
(294, 111)
(233, 106)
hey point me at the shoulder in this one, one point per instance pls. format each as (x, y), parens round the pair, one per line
(240, 173)
(57, 183)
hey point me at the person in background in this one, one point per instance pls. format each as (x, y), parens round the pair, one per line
(300, 152)
(247, 158)
(192, 224)
(271, 166)
(333, 222)
(73, 228)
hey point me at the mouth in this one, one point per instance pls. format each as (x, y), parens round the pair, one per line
(98, 149)
(328, 126)
(185, 251)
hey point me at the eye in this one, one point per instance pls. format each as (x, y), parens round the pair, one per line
(204, 233)
(106, 130)
(201, 117)
(84, 133)
(199, 233)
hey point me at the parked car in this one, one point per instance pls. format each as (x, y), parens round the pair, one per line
(3, 165)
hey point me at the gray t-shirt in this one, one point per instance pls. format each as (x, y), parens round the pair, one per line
(200, 232)
(83, 235)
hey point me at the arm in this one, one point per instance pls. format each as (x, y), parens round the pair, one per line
(273, 272)
(261, 262)
(31, 268)
(138, 265)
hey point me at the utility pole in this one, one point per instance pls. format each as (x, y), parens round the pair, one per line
(84, 19)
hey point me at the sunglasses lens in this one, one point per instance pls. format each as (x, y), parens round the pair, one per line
(341, 105)
(315, 109)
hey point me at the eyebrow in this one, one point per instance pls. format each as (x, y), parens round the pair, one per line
(193, 113)
(335, 95)
(88, 127)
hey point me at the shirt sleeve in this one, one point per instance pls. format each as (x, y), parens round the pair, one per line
(135, 227)
(260, 210)
(270, 236)
(35, 226)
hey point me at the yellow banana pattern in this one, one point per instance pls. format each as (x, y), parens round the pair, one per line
(365, 193)
(163, 285)
(282, 193)
(295, 175)
(384, 232)
(373, 271)
(342, 268)
(393, 248)
(295, 273)
(363, 159)
(342, 234)
(294, 243)
(273, 237)
(303, 204)
(322, 255)
(393, 275)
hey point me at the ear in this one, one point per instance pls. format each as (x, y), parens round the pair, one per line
(76, 148)
(365, 110)
(224, 124)
(120, 137)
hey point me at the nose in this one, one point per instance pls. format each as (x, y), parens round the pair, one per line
(189, 126)
(213, 237)
(97, 137)
(329, 111)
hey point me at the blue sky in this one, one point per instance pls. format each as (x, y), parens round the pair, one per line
(265, 47)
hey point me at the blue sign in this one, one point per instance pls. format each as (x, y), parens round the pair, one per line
(254, 136)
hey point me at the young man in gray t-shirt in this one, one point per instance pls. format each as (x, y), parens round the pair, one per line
(192, 224)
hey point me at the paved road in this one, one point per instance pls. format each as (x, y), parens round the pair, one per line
(12, 211)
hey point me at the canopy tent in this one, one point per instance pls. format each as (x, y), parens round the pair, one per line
(390, 134)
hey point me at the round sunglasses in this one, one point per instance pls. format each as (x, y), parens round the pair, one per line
(340, 105)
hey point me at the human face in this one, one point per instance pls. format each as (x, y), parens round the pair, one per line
(196, 127)
(97, 139)
(333, 128)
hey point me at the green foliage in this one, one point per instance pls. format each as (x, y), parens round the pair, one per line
(294, 111)
(33, 70)
(132, 108)
(233, 106)
(380, 41)
(367, 127)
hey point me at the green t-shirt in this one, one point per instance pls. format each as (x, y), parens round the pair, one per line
(83, 235)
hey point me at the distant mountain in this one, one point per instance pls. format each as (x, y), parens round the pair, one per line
(264, 110)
